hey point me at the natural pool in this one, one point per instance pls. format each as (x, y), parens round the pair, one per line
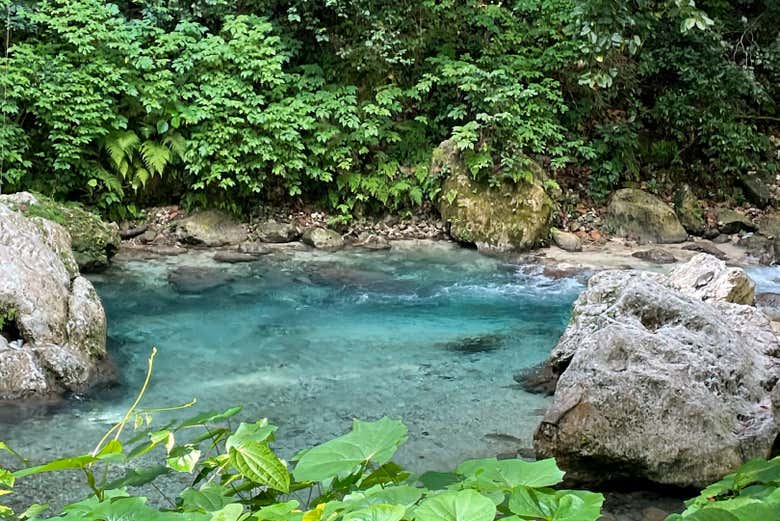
(311, 340)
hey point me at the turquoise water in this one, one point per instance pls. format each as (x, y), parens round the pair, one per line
(311, 340)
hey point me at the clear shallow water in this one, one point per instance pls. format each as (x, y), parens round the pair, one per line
(312, 340)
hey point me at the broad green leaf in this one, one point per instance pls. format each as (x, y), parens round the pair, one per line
(257, 463)
(464, 505)
(757, 471)
(209, 417)
(369, 441)
(6, 478)
(258, 432)
(138, 477)
(288, 511)
(578, 506)
(209, 498)
(229, 513)
(398, 495)
(390, 472)
(533, 503)
(34, 510)
(183, 459)
(377, 513)
(543, 473)
(438, 480)
(712, 514)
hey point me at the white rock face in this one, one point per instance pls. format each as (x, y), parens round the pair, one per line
(708, 278)
(656, 383)
(55, 313)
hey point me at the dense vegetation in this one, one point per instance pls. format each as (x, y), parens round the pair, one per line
(235, 475)
(342, 101)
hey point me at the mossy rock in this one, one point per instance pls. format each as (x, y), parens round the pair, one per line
(686, 205)
(636, 214)
(730, 222)
(509, 217)
(93, 241)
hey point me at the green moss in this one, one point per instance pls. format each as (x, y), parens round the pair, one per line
(8, 313)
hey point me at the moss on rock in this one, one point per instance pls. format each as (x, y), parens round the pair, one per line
(508, 217)
(93, 241)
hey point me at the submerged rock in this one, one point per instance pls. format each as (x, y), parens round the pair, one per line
(476, 344)
(197, 279)
(236, 257)
(638, 215)
(51, 320)
(324, 239)
(92, 241)
(510, 217)
(210, 228)
(654, 383)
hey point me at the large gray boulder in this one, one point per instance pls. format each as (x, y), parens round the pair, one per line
(323, 239)
(655, 383)
(210, 228)
(52, 324)
(686, 205)
(509, 217)
(272, 231)
(708, 278)
(93, 241)
(642, 216)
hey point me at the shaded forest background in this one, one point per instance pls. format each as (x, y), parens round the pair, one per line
(341, 102)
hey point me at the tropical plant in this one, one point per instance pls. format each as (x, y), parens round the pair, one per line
(236, 475)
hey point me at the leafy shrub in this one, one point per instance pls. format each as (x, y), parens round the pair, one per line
(749, 494)
(236, 475)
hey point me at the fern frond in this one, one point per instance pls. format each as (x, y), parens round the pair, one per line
(120, 146)
(176, 143)
(155, 156)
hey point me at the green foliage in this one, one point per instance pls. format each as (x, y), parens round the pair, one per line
(236, 475)
(341, 102)
(749, 494)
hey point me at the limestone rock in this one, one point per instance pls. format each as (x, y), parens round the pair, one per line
(765, 249)
(322, 238)
(756, 188)
(374, 242)
(769, 305)
(510, 217)
(47, 310)
(638, 215)
(708, 278)
(686, 205)
(706, 247)
(210, 228)
(656, 256)
(657, 384)
(235, 257)
(566, 241)
(272, 231)
(730, 222)
(93, 241)
(769, 225)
